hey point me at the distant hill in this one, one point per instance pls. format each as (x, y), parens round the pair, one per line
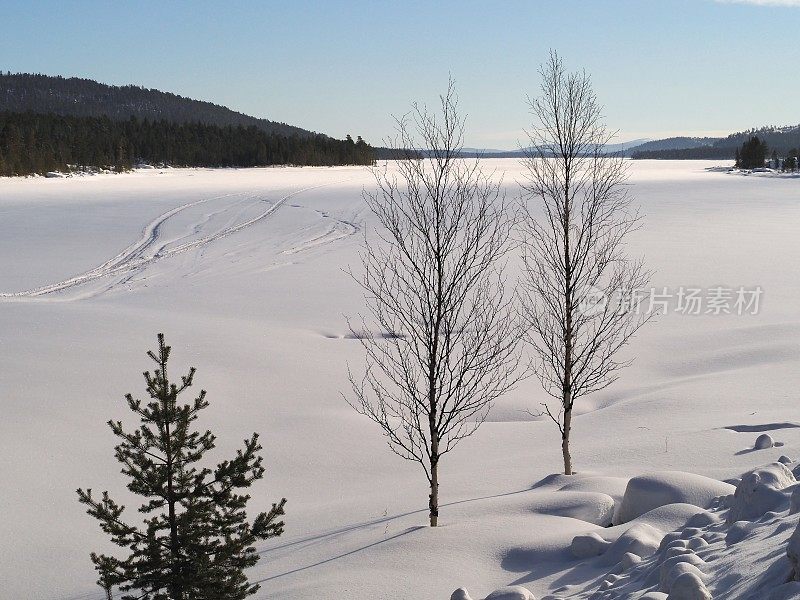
(626, 147)
(780, 139)
(43, 94)
(676, 143)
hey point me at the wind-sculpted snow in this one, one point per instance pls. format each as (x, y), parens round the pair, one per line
(646, 492)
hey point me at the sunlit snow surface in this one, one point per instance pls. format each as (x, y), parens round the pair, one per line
(243, 270)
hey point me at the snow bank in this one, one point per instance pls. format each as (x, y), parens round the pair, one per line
(759, 492)
(745, 546)
(647, 492)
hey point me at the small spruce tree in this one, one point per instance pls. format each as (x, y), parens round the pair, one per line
(196, 540)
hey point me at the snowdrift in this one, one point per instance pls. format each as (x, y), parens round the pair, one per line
(741, 544)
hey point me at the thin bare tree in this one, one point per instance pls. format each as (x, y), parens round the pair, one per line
(581, 293)
(447, 336)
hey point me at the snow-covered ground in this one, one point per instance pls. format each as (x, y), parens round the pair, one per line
(242, 270)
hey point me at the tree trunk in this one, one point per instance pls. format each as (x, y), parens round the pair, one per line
(568, 333)
(565, 442)
(176, 591)
(168, 407)
(433, 429)
(433, 498)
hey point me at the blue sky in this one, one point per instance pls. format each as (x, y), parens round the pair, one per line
(660, 68)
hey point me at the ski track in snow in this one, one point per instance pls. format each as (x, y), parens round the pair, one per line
(136, 256)
(339, 230)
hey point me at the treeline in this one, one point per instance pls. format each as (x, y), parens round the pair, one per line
(76, 97)
(782, 140)
(702, 152)
(38, 143)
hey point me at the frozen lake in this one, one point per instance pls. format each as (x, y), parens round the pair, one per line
(243, 272)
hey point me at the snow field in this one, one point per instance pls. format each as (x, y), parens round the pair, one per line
(260, 311)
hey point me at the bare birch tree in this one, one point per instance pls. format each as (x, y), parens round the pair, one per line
(447, 339)
(579, 290)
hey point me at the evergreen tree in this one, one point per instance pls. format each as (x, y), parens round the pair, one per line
(753, 153)
(196, 540)
(791, 160)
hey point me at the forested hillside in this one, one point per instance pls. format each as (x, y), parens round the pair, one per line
(21, 92)
(779, 139)
(675, 143)
(38, 143)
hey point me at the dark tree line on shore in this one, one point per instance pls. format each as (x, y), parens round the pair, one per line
(38, 143)
(699, 153)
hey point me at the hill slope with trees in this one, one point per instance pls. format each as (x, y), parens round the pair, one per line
(779, 139)
(76, 97)
(62, 124)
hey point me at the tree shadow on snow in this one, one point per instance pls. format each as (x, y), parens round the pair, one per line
(330, 535)
(342, 555)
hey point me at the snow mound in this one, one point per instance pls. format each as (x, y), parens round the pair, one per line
(640, 539)
(588, 545)
(592, 507)
(760, 492)
(460, 594)
(647, 492)
(676, 571)
(764, 441)
(611, 486)
(719, 557)
(675, 566)
(689, 586)
(513, 592)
